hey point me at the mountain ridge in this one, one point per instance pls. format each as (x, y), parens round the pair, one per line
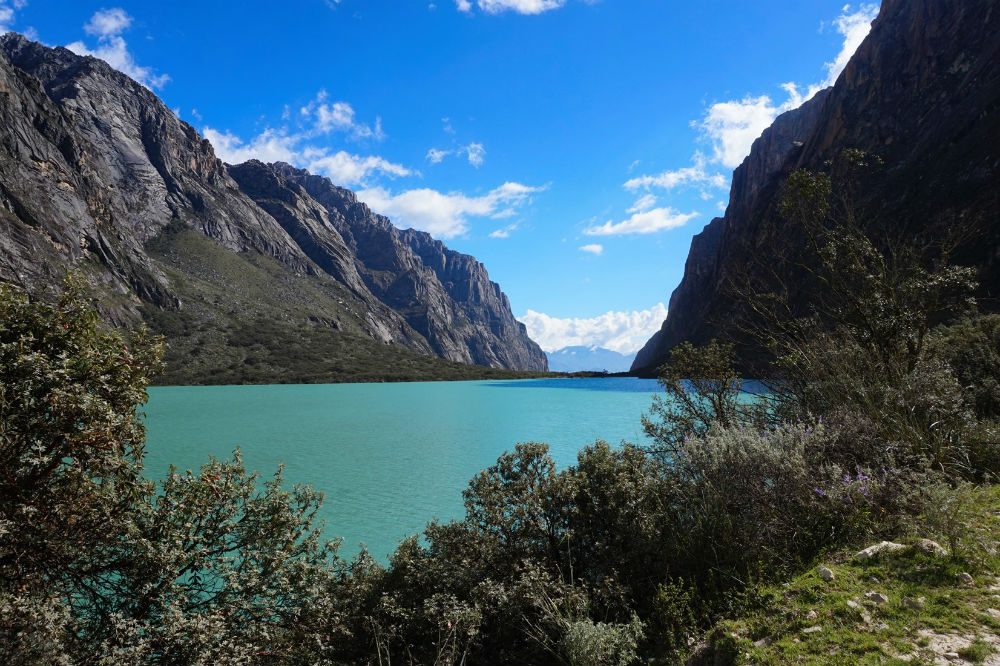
(923, 94)
(588, 358)
(94, 168)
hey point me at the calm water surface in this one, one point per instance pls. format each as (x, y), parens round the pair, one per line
(389, 457)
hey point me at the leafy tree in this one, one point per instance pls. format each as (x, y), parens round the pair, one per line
(702, 391)
(98, 567)
(70, 441)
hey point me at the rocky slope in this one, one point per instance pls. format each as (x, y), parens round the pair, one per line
(923, 93)
(98, 175)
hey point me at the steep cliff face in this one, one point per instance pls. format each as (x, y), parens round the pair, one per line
(94, 170)
(92, 166)
(445, 296)
(923, 93)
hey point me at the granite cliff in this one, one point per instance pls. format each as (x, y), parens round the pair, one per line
(923, 94)
(98, 175)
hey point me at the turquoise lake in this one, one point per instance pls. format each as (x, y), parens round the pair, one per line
(388, 457)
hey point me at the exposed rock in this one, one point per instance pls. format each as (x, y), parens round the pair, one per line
(878, 549)
(825, 573)
(936, 127)
(812, 630)
(862, 611)
(930, 547)
(914, 603)
(93, 167)
(876, 597)
(965, 579)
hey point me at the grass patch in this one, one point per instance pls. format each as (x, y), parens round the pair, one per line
(928, 611)
(246, 319)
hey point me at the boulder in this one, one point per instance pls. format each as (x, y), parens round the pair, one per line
(878, 549)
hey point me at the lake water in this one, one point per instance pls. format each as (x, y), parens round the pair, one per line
(388, 457)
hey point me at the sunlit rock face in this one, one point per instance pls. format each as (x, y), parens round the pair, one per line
(94, 167)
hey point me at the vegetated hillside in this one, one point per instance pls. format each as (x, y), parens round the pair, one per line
(923, 94)
(913, 602)
(589, 359)
(98, 175)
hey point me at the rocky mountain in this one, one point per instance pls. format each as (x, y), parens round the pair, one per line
(589, 359)
(923, 94)
(97, 174)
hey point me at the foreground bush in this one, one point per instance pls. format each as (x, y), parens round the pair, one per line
(97, 565)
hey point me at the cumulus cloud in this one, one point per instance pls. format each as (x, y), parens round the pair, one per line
(8, 12)
(107, 25)
(697, 174)
(642, 204)
(343, 167)
(516, 6)
(339, 116)
(268, 146)
(732, 126)
(643, 222)
(436, 155)
(594, 248)
(623, 332)
(504, 232)
(108, 22)
(442, 214)
(853, 26)
(474, 152)
(279, 146)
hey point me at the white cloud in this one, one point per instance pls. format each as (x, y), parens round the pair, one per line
(517, 6)
(623, 332)
(463, 5)
(643, 203)
(476, 154)
(696, 174)
(268, 146)
(8, 13)
(272, 145)
(445, 215)
(108, 22)
(339, 117)
(645, 222)
(436, 155)
(107, 25)
(594, 248)
(854, 27)
(732, 126)
(504, 232)
(6, 18)
(344, 168)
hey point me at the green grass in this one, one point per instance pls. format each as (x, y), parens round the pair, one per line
(901, 630)
(246, 319)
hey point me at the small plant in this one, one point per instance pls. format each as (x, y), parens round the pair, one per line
(589, 643)
(949, 511)
(977, 651)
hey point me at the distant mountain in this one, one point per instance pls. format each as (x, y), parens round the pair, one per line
(582, 359)
(922, 93)
(257, 272)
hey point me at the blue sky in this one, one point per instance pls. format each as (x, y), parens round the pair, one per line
(573, 146)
